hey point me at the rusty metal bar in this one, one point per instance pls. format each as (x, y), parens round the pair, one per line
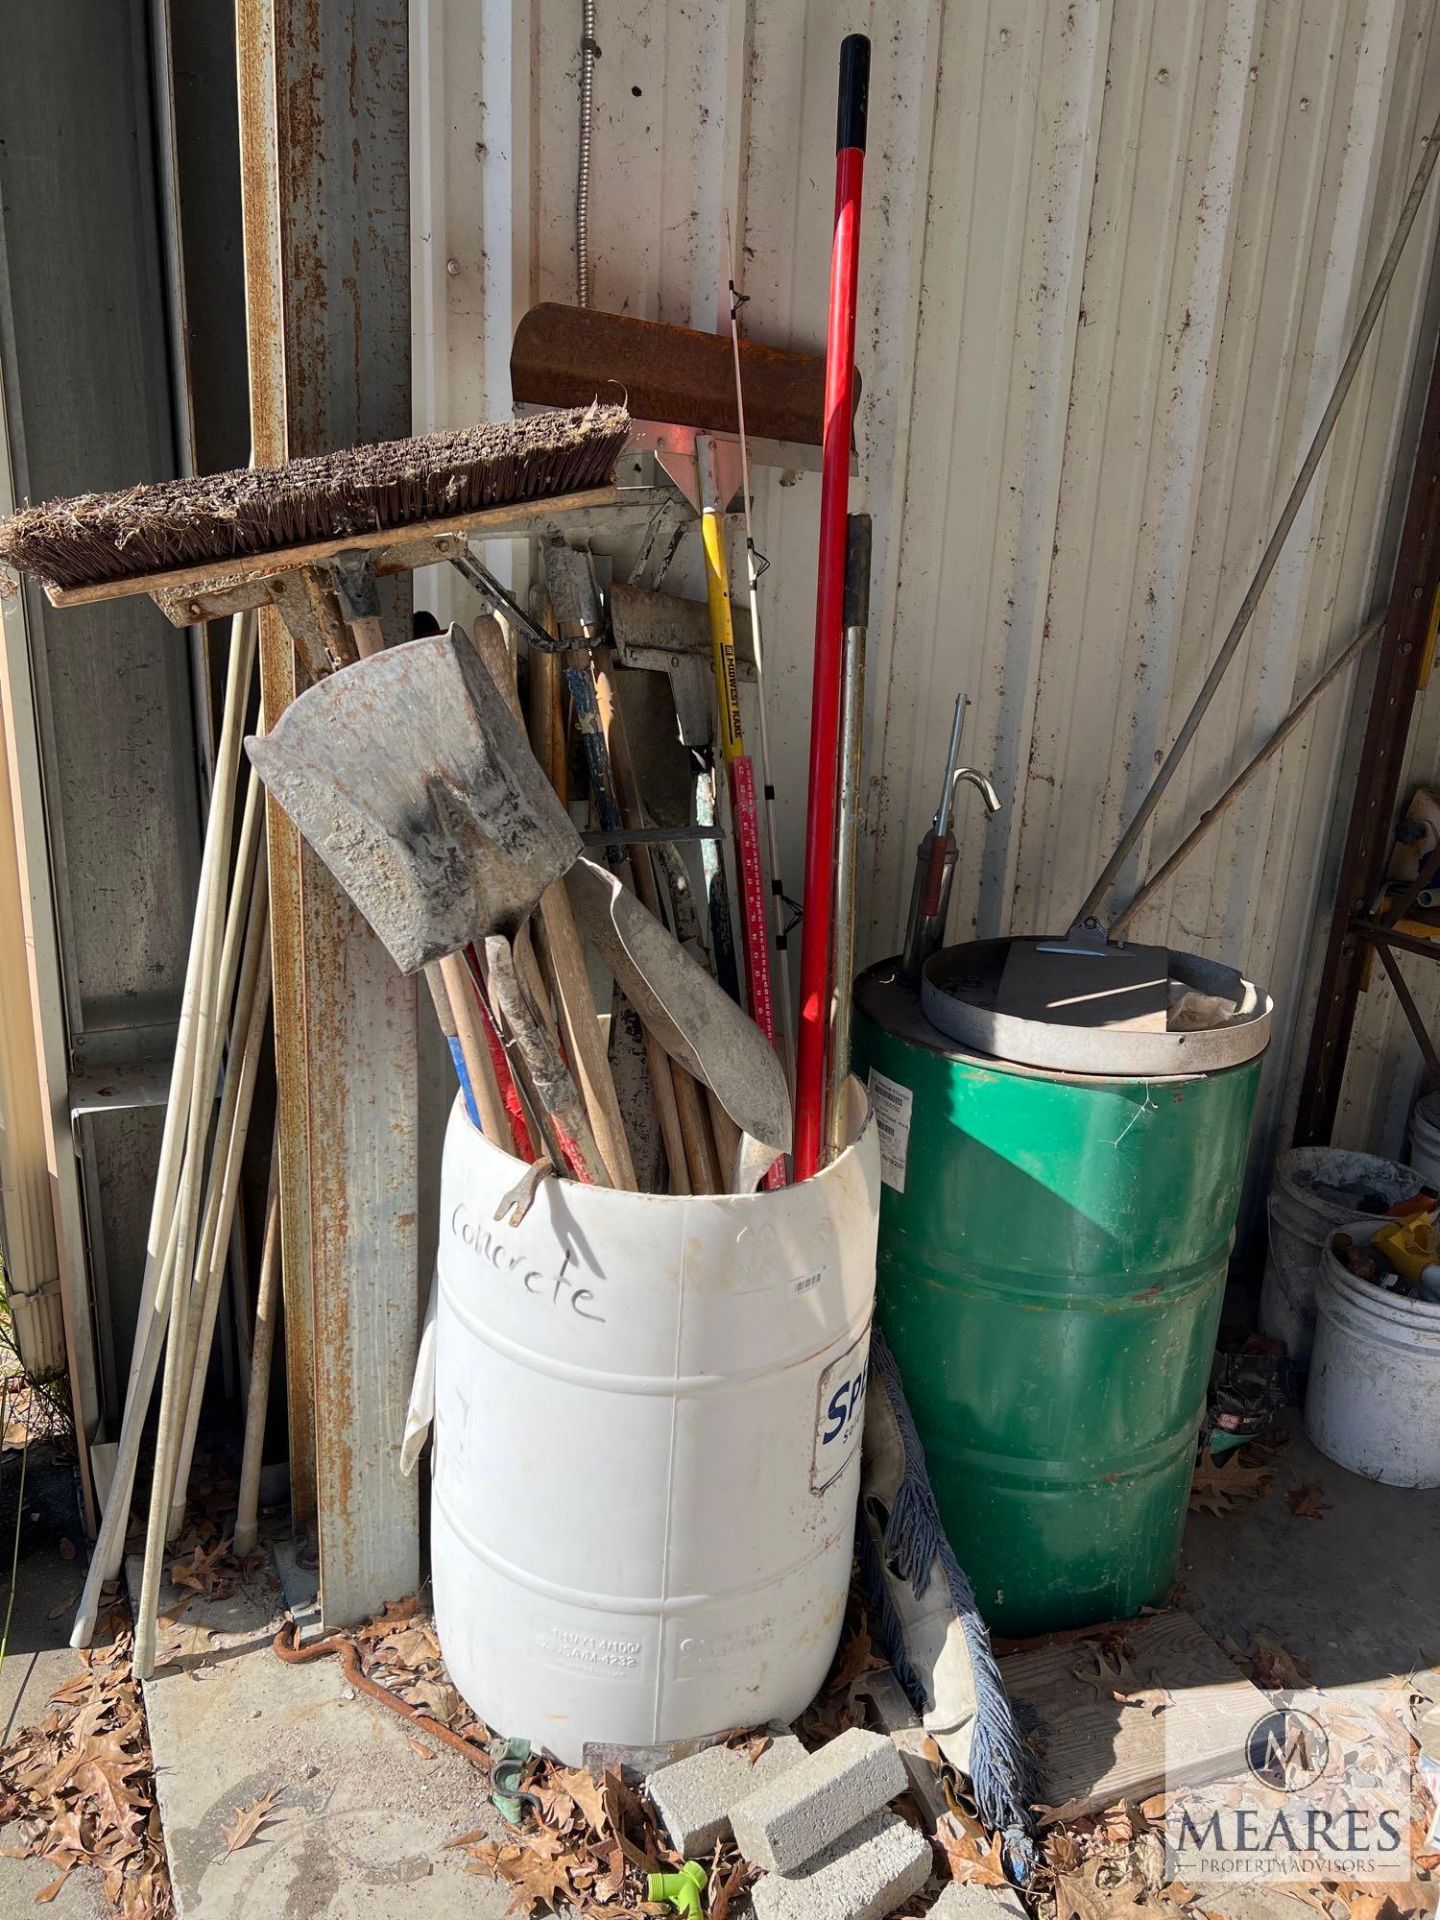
(1408, 1007)
(1382, 758)
(324, 158)
(1378, 934)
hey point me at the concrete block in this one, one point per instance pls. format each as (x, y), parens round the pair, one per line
(790, 1820)
(961, 1902)
(694, 1796)
(864, 1876)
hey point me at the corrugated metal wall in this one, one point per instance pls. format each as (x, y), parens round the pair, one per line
(1112, 254)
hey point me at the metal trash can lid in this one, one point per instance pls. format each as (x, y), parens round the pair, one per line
(1215, 1019)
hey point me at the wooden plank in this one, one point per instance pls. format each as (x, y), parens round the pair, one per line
(184, 590)
(1095, 1749)
(346, 1044)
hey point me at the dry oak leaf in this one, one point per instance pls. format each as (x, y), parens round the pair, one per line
(1308, 1502)
(1274, 1667)
(1221, 1484)
(724, 1892)
(1112, 1674)
(970, 1859)
(585, 1791)
(1080, 1896)
(536, 1879)
(249, 1820)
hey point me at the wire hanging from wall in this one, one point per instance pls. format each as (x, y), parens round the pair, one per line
(588, 51)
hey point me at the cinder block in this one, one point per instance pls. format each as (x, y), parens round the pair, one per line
(863, 1876)
(966, 1902)
(694, 1796)
(790, 1820)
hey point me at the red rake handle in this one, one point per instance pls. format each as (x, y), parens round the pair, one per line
(817, 931)
(754, 927)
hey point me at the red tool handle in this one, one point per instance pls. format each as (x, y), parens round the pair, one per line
(754, 927)
(816, 930)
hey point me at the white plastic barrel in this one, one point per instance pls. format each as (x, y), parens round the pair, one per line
(648, 1413)
(1373, 1402)
(1302, 1218)
(1425, 1140)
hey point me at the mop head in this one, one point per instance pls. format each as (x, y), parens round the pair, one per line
(178, 524)
(951, 1677)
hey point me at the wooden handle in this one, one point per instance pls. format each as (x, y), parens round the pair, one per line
(563, 960)
(701, 1158)
(548, 1073)
(475, 1051)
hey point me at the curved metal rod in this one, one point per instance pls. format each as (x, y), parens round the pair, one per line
(1277, 540)
(1247, 773)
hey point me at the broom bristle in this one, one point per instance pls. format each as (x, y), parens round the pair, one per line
(102, 537)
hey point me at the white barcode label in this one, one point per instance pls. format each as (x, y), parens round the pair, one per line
(891, 1103)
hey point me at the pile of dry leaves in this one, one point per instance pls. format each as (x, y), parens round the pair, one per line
(81, 1786)
(590, 1845)
(1110, 1864)
(583, 1844)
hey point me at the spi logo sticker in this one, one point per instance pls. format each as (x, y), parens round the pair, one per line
(840, 1413)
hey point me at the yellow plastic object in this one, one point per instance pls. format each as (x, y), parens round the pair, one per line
(1409, 1245)
(682, 1890)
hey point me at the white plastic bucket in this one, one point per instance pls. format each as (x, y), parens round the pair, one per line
(1302, 1220)
(647, 1447)
(1373, 1402)
(1425, 1140)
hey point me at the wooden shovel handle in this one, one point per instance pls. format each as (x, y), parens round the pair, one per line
(547, 1071)
(563, 959)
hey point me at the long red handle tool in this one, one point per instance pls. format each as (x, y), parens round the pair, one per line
(816, 927)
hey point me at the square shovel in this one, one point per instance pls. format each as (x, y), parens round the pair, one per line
(411, 779)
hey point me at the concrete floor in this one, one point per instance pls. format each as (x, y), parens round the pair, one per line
(1355, 1594)
(363, 1819)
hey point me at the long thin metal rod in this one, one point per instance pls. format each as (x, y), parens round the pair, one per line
(767, 770)
(1277, 540)
(1247, 773)
(847, 852)
(947, 790)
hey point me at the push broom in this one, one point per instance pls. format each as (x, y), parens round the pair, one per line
(287, 535)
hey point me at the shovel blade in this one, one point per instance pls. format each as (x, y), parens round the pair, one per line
(695, 1021)
(411, 779)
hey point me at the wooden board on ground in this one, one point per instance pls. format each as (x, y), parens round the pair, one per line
(1118, 987)
(1098, 1707)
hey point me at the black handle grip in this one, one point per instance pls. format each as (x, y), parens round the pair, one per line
(857, 570)
(854, 91)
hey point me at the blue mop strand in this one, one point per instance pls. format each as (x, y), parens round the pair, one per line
(1001, 1770)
